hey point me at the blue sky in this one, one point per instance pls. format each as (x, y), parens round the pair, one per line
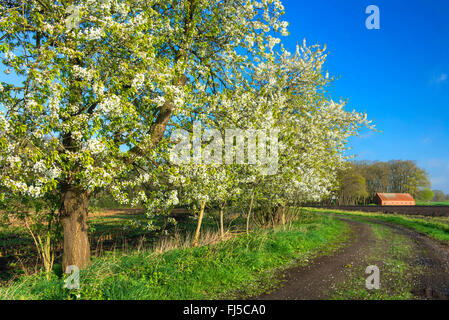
(399, 74)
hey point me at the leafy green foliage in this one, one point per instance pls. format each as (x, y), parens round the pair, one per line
(394, 176)
(425, 195)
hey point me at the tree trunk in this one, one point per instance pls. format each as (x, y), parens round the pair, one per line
(221, 222)
(283, 218)
(198, 227)
(73, 217)
(248, 217)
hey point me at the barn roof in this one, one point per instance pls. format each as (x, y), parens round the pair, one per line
(395, 196)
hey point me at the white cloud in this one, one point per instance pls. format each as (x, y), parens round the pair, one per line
(368, 135)
(440, 78)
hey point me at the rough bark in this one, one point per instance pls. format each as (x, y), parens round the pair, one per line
(73, 216)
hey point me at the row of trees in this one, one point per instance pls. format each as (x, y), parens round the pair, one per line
(361, 180)
(99, 102)
(439, 195)
(432, 195)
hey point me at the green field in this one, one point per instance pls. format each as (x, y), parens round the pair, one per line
(438, 203)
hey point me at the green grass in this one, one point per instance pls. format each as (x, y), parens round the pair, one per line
(436, 203)
(240, 267)
(435, 227)
(392, 253)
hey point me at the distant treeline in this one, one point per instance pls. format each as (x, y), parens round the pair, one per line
(360, 182)
(439, 195)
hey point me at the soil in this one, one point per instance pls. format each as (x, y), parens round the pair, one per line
(317, 280)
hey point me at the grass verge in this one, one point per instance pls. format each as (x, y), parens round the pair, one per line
(240, 267)
(434, 203)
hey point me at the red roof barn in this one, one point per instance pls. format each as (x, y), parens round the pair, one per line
(394, 199)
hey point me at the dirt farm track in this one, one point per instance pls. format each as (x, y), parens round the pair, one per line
(431, 211)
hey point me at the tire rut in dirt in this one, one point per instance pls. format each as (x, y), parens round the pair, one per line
(433, 257)
(315, 281)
